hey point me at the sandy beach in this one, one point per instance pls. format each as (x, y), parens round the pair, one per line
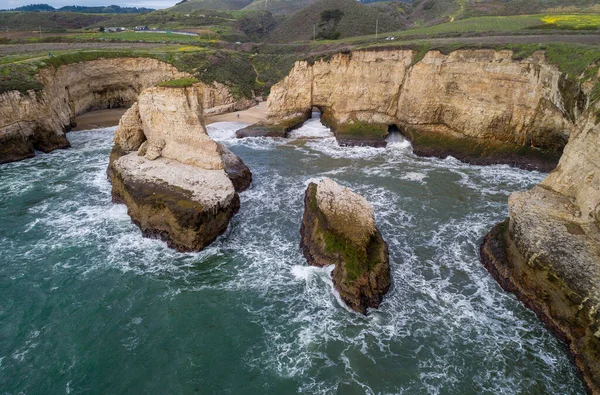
(250, 115)
(99, 119)
(107, 118)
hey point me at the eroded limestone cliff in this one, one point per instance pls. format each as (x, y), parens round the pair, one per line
(338, 228)
(178, 184)
(38, 121)
(548, 251)
(470, 103)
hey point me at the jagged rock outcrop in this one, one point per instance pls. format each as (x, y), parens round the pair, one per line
(478, 105)
(548, 251)
(178, 184)
(338, 228)
(38, 121)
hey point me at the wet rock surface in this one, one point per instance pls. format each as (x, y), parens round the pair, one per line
(338, 228)
(178, 184)
(548, 251)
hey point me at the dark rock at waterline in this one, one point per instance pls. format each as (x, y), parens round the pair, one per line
(338, 228)
(237, 171)
(259, 130)
(14, 146)
(171, 209)
(430, 143)
(19, 141)
(273, 130)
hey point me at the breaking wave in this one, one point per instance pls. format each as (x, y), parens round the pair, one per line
(248, 312)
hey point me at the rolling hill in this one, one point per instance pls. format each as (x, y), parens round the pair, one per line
(331, 19)
(193, 5)
(111, 9)
(279, 7)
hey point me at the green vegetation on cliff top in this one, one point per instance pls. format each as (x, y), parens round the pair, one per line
(178, 83)
(244, 73)
(257, 70)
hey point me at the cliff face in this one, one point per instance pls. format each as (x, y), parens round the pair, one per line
(338, 228)
(444, 101)
(39, 121)
(548, 251)
(178, 184)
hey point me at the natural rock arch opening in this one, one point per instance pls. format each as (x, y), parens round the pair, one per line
(480, 106)
(395, 134)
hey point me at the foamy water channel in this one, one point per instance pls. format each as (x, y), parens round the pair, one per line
(89, 306)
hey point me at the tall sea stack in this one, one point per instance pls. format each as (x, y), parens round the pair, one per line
(178, 184)
(338, 228)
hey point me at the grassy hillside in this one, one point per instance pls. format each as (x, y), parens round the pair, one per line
(330, 19)
(523, 7)
(279, 7)
(500, 24)
(429, 12)
(192, 5)
(53, 21)
(219, 25)
(497, 25)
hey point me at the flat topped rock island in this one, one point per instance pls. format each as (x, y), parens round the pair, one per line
(338, 228)
(178, 184)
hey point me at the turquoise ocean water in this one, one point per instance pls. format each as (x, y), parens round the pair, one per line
(87, 305)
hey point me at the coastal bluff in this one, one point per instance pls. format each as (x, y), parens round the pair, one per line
(548, 250)
(480, 106)
(33, 120)
(178, 184)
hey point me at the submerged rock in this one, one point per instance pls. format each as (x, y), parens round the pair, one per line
(178, 184)
(548, 251)
(338, 228)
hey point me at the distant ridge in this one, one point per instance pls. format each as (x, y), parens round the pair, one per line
(220, 5)
(111, 9)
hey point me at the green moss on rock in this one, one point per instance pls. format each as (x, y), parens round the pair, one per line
(431, 143)
(362, 272)
(179, 83)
